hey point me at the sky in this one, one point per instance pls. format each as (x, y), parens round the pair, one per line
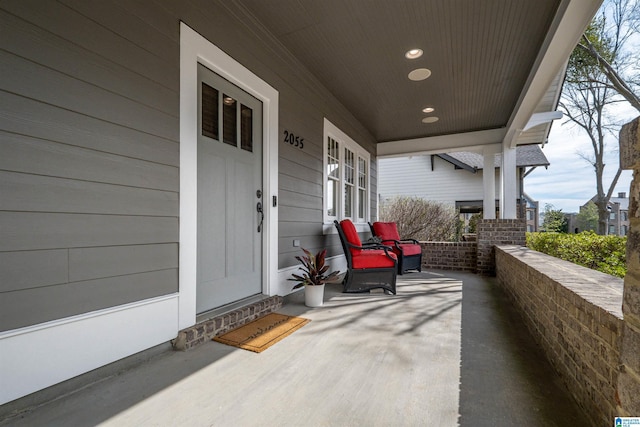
(569, 181)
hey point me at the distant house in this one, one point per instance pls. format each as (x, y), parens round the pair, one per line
(572, 222)
(618, 220)
(456, 179)
(532, 212)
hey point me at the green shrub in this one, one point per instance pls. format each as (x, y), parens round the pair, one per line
(603, 253)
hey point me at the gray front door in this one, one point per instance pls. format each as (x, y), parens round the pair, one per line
(229, 190)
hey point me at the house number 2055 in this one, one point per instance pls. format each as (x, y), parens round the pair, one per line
(294, 140)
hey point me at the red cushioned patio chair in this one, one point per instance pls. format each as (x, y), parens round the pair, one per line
(408, 251)
(369, 265)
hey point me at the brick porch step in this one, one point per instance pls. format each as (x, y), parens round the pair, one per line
(220, 323)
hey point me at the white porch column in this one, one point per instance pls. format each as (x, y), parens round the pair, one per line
(508, 181)
(489, 183)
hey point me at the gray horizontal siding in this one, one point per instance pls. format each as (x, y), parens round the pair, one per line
(89, 160)
(34, 193)
(39, 268)
(93, 263)
(300, 185)
(32, 231)
(313, 243)
(296, 229)
(44, 47)
(300, 165)
(295, 214)
(34, 156)
(35, 119)
(53, 302)
(155, 16)
(307, 201)
(33, 269)
(32, 80)
(129, 27)
(83, 31)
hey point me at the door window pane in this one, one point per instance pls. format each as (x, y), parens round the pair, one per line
(209, 111)
(246, 128)
(229, 117)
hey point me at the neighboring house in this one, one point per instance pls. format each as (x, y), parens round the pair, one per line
(532, 212)
(572, 222)
(618, 220)
(456, 179)
(160, 160)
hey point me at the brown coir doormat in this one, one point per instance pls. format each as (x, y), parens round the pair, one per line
(262, 333)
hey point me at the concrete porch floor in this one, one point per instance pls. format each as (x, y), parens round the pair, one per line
(446, 351)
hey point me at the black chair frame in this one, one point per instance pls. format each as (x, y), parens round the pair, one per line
(363, 280)
(405, 262)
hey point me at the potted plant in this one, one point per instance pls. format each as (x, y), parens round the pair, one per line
(313, 278)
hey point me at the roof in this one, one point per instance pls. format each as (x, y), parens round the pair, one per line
(526, 155)
(622, 201)
(531, 203)
(493, 64)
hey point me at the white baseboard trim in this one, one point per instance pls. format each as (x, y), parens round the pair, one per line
(40, 356)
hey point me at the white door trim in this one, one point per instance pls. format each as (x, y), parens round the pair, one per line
(193, 49)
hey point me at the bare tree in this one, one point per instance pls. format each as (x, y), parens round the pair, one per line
(594, 82)
(421, 219)
(608, 47)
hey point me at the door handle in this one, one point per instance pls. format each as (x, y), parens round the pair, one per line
(261, 212)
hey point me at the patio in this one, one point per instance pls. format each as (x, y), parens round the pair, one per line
(447, 350)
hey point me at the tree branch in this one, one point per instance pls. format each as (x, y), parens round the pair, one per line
(618, 83)
(613, 184)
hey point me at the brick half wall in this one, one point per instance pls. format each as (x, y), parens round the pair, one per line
(575, 315)
(493, 232)
(461, 256)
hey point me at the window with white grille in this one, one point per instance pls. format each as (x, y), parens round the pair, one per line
(346, 177)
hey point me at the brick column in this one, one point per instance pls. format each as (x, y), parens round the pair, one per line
(629, 378)
(493, 232)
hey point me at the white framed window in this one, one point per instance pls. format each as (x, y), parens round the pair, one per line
(363, 189)
(346, 177)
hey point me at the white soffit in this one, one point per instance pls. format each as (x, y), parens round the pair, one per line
(441, 144)
(571, 21)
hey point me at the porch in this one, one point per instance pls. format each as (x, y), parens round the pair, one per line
(447, 350)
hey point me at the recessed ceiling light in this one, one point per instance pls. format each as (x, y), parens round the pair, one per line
(413, 54)
(431, 119)
(419, 74)
(428, 110)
